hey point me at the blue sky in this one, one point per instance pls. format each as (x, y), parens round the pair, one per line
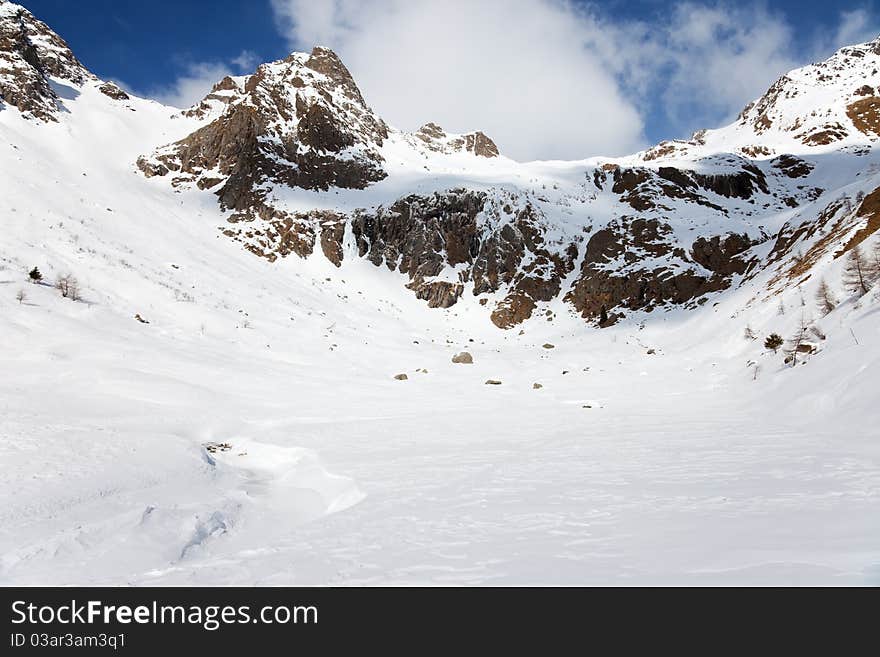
(546, 78)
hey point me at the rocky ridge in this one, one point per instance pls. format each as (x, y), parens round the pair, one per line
(609, 238)
(37, 68)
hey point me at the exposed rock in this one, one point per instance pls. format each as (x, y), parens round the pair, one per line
(434, 138)
(792, 166)
(635, 287)
(31, 53)
(513, 310)
(537, 386)
(463, 358)
(319, 137)
(401, 377)
(112, 91)
(493, 382)
(865, 115)
(549, 346)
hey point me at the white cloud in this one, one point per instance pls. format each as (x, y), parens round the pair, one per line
(719, 58)
(517, 69)
(198, 77)
(854, 26)
(548, 79)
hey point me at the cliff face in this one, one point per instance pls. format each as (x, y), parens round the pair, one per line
(31, 54)
(299, 122)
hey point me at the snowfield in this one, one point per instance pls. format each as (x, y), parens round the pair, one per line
(248, 427)
(625, 467)
(682, 470)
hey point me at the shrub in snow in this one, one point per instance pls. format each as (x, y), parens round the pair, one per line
(35, 275)
(773, 341)
(68, 286)
(20, 296)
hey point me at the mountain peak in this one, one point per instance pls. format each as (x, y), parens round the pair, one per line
(31, 56)
(326, 62)
(438, 140)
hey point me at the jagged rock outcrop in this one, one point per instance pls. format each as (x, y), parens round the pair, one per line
(30, 54)
(299, 122)
(434, 138)
(614, 275)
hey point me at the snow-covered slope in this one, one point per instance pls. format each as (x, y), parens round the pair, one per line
(205, 415)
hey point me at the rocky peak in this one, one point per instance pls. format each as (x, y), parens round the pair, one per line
(823, 103)
(299, 122)
(32, 59)
(327, 63)
(434, 138)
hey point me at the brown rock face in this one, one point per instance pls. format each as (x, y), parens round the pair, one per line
(865, 115)
(30, 52)
(441, 242)
(628, 284)
(112, 91)
(299, 122)
(435, 139)
(423, 236)
(792, 166)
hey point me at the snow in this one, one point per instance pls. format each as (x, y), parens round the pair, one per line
(252, 432)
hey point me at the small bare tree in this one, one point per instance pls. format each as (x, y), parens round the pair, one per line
(797, 340)
(749, 334)
(20, 296)
(874, 262)
(856, 274)
(68, 286)
(825, 298)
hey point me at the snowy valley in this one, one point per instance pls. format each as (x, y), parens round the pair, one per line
(220, 400)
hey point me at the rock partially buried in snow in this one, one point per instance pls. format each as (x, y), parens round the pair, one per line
(464, 358)
(537, 386)
(401, 377)
(493, 382)
(547, 345)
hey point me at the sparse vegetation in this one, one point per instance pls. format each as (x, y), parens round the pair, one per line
(796, 343)
(20, 296)
(856, 273)
(68, 286)
(825, 298)
(34, 275)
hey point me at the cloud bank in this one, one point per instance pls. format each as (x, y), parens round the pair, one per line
(517, 69)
